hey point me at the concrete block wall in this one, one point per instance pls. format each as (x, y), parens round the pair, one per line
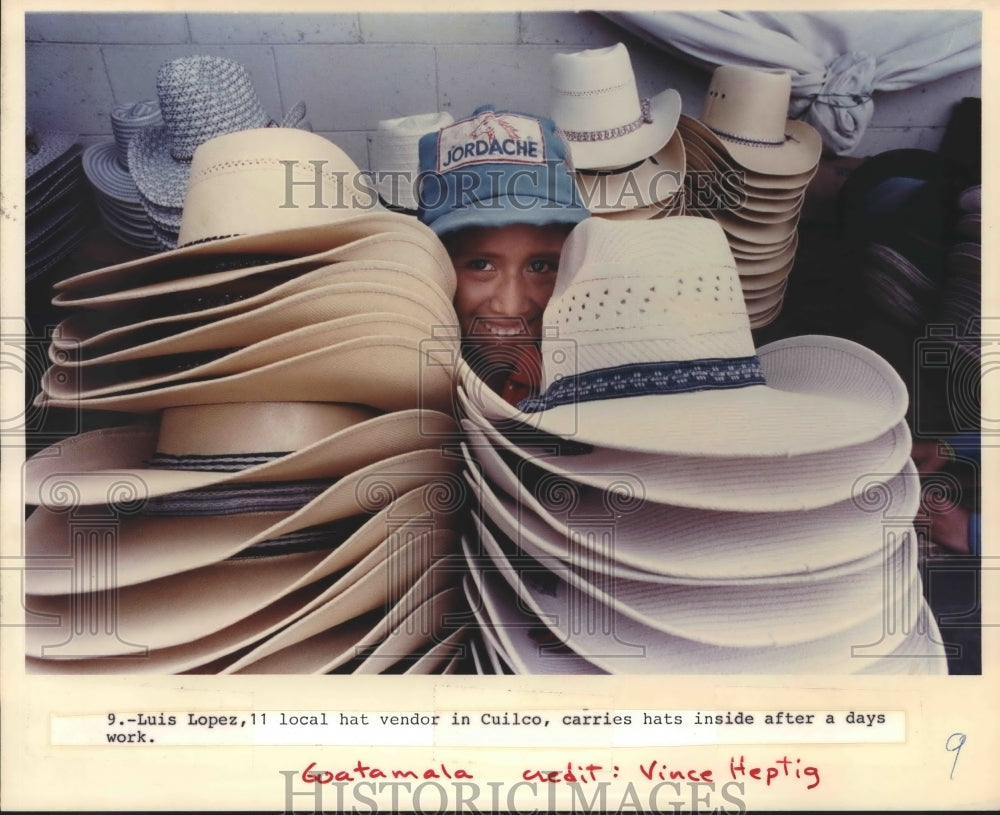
(353, 70)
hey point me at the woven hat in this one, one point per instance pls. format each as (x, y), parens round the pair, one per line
(43, 148)
(496, 168)
(99, 379)
(596, 105)
(647, 347)
(396, 156)
(200, 97)
(720, 483)
(419, 608)
(564, 519)
(381, 371)
(252, 192)
(745, 115)
(174, 610)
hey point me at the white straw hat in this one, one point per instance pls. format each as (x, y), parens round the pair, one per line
(746, 115)
(647, 347)
(396, 156)
(245, 196)
(596, 106)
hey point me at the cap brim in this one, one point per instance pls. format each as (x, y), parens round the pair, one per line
(508, 211)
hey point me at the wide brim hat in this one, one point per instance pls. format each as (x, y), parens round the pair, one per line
(637, 648)
(418, 252)
(235, 205)
(299, 310)
(656, 180)
(64, 380)
(200, 97)
(93, 334)
(196, 446)
(106, 174)
(562, 518)
(596, 105)
(730, 614)
(344, 511)
(745, 116)
(647, 348)
(312, 643)
(380, 371)
(228, 644)
(174, 610)
(722, 483)
(43, 149)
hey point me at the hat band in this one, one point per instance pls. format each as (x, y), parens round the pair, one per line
(216, 463)
(613, 132)
(238, 499)
(722, 134)
(645, 378)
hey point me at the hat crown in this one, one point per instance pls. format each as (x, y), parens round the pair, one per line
(267, 179)
(594, 89)
(127, 119)
(204, 96)
(748, 104)
(639, 291)
(396, 155)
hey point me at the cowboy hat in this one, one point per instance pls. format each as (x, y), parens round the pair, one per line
(648, 348)
(245, 196)
(200, 97)
(596, 105)
(746, 115)
(396, 156)
(200, 445)
(381, 371)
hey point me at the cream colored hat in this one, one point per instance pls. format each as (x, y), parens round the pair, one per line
(647, 347)
(596, 106)
(197, 446)
(264, 191)
(396, 156)
(746, 115)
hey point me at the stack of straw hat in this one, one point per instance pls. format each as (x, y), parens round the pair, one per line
(283, 483)
(200, 97)
(627, 153)
(396, 158)
(749, 167)
(56, 200)
(106, 166)
(675, 501)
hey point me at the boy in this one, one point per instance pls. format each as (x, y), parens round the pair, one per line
(497, 189)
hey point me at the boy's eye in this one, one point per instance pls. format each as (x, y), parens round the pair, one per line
(477, 265)
(543, 267)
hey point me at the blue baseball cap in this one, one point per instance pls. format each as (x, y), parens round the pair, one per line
(496, 168)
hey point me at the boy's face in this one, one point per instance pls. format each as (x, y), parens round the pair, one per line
(505, 278)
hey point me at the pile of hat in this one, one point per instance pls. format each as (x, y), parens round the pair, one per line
(748, 168)
(283, 481)
(395, 164)
(199, 97)
(674, 500)
(106, 166)
(628, 155)
(961, 298)
(56, 200)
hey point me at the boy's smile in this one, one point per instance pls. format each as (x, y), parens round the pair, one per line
(506, 275)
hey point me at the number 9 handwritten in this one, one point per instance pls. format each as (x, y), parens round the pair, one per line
(954, 745)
